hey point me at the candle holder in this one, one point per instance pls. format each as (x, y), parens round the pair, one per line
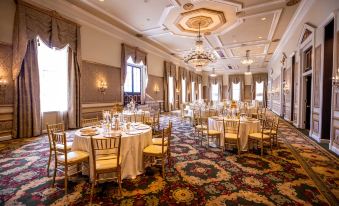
(3, 83)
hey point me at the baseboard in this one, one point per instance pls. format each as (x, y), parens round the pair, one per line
(4, 138)
(334, 149)
(316, 138)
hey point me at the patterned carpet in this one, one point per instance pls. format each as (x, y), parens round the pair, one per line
(299, 172)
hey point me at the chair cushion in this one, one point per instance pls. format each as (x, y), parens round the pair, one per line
(258, 135)
(230, 136)
(154, 150)
(212, 132)
(267, 131)
(158, 141)
(61, 146)
(201, 127)
(107, 162)
(74, 156)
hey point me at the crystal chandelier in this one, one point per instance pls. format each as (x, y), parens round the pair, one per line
(248, 72)
(247, 60)
(198, 57)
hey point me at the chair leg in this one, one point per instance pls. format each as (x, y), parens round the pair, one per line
(262, 148)
(92, 190)
(120, 186)
(66, 179)
(163, 167)
(238, 145)
(54, 173)
(49, 161)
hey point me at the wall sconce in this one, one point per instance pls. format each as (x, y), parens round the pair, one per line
(3, 83)
(177, 90)
(335, 80)
(156, 89)
(102, 86)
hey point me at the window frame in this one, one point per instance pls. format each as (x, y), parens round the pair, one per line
(134, 66)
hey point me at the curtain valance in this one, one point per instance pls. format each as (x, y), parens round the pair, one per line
(183, 72)
(260, 77)
(236, 78)
(170, 69)
(55, 31)
(199, 79)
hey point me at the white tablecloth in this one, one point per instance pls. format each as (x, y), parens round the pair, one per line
(246, 127)
(138, 114)
(131, 150)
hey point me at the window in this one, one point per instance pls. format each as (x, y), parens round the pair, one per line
(193, 91)
(53, 72)
(200, 92)
(259, 91)
(133, 77)
(183, 90)
(308, 59)
(236, 91)
(215, 92)
(170, 90)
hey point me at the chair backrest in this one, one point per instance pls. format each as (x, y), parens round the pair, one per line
(89, 122)
(166, 136)
(140, 117)
(106, 147)
(267, 124)
(60, 139)
(231, 126)
(60, 127)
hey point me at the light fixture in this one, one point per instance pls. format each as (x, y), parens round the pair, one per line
(248, 72)
(198, 57)
(156, 88)
(335, 80)
(102, 86)
(263, 18)
(213, 73)
(247, 60)
(259, 37)
(3, 83)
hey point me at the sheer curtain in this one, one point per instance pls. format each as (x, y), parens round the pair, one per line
(260, 77)
(236, 78)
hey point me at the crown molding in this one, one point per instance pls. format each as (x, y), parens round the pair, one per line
(85, 18)
(298, 16)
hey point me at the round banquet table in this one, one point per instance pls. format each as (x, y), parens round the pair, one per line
(132, 145)
(246, 127)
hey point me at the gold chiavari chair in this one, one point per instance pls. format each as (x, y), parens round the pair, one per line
(140, 117)
(162, 150)
(90, 122)
(231, 133)
(274, 131)
(262, 137)
(154, 120)
(106, 159)
(66, 158)
(184, 115)
(201, 127)
(210, 133)
(60, 127)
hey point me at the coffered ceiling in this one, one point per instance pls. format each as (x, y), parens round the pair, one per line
(229, 27)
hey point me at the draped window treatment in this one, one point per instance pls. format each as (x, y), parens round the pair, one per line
(236, 78)
(193, 79)
(215, 80)
(170, 71)
(261, 77)
(137, 56)
(55, 31)
(182, 73)
(199, 81)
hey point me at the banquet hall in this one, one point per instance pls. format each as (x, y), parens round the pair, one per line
(169, 102)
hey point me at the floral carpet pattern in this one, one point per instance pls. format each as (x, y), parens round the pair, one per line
(299, 172)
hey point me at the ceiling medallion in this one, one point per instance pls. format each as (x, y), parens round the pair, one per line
(209, 20)
(198, 57)
(292, 2)
(188, 6)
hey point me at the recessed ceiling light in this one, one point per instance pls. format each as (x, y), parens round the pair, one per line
(259, 37)
(101, 0)
(263, 19)
(234, 41)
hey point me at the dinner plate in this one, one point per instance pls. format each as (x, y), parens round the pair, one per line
(133, 132)
(142, 127)
(89, 133)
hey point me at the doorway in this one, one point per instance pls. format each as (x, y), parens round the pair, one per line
(327, 84)
(292, 88)
(308, 89)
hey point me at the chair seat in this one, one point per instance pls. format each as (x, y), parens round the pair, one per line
(108, 162)
(73, 157)
(267, 131)
(258, 135)
(212, 132)
(154, 150)
(201, 127)
(230, 136)
(61, 146)
(158, 141)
